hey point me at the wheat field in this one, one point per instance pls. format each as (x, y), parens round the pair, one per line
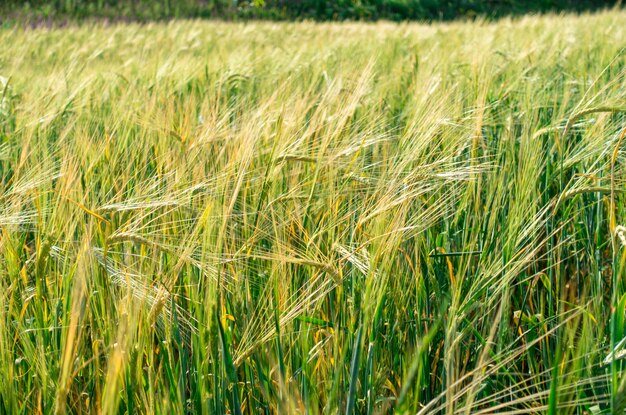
(278, 218)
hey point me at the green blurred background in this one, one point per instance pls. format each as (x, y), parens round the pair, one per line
(37, 10)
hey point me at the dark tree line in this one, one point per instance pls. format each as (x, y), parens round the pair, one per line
(291, 9)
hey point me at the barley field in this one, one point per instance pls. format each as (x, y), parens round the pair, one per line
(285, 218)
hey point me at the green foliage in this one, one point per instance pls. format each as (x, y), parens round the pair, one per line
(290, 9)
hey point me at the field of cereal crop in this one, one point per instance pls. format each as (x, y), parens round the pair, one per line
(243, 218)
